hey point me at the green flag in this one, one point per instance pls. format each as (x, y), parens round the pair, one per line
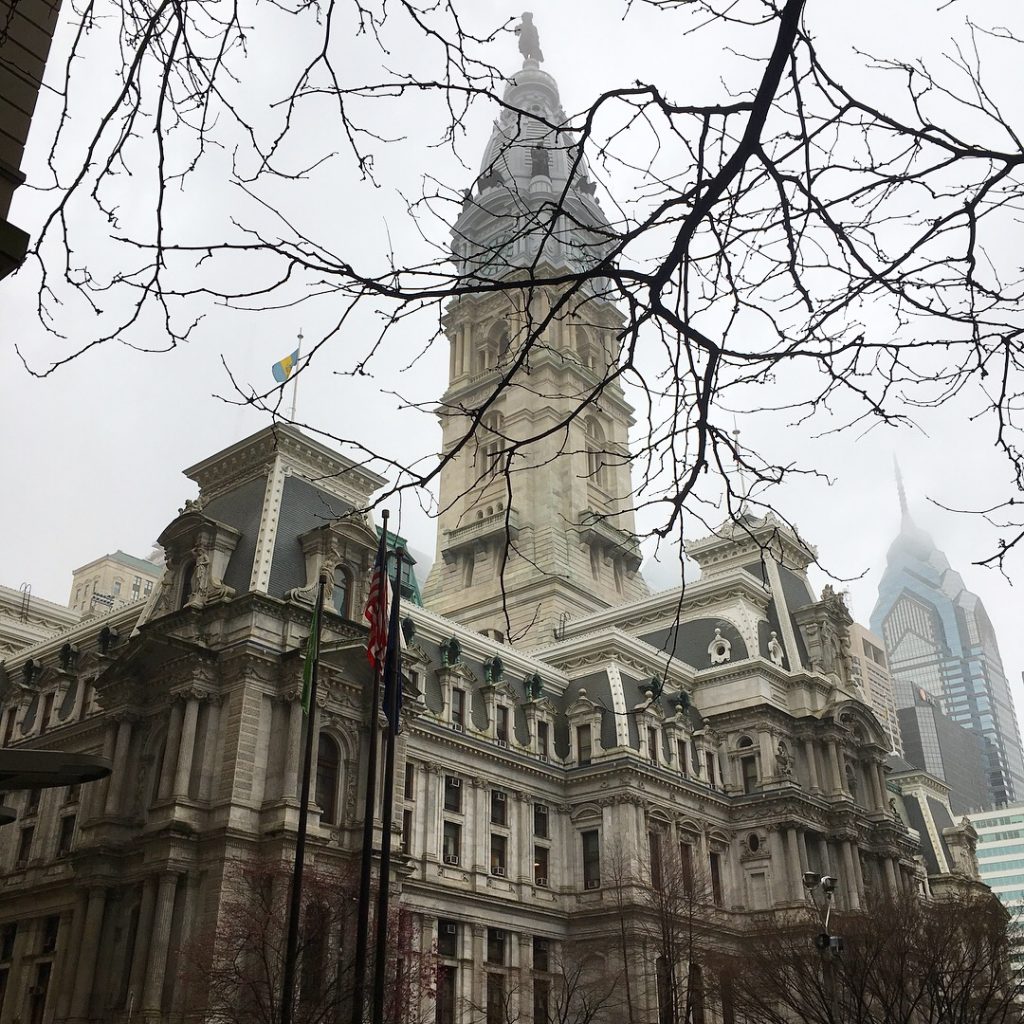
(307, 668)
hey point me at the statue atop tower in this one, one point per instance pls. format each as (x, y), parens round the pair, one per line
(529, 40)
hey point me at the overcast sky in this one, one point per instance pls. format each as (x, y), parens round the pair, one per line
(93, 454)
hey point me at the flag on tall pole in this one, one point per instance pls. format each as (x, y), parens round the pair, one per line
(376, 613)
(392, 708)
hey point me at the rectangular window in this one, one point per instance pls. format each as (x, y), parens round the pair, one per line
(496, 999)
(406, 831)
(686, 867)
(44, 718)
(410, 781)
(25, 845)
(583, 745)
(458, 706)
(540, 865)
(447, 938)
(542, 739)
(541, 954)
(32, 803)
(496, 946)
(8, 934)
(654, 845)
(444, 1007)
(652, 744)
(451, 842)
(136, 587)
(716, 878)
(541, 1000)
(51, 926)
(501, 724)
(499, 807)
(748, 769)
(499, 849)
(710, 758)
(591, 841)
(681, 754)
(452, 793)
(541, 826)
(66, 836)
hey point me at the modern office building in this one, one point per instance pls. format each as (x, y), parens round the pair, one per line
(1001, 862)
(939, 639)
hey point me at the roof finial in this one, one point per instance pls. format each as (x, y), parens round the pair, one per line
(904, 511)
(529, 40)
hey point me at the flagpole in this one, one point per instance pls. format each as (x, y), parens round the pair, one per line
(366, 861)
(295, 904)
(295, 382)
(393, 707)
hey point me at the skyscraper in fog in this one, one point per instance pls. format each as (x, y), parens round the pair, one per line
(939, 640)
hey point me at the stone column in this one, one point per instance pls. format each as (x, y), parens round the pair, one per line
(890, 876)
(88, 952)
(812, 766)
(152, 996)
(209, 774)
(780, 874)
(837, 771)
(850, 873)
(882, 788)
(767, 755)
(186, 750)
(66, 979)
(523, 833)
(477, 966)
(120, 770)
(876, 785)
(805, 864)
(431, 831)
(293, 751)
(171, 751)
(795, 870)
(858, 870)
(137, 977)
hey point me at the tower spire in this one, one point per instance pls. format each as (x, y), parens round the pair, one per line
(900, 489)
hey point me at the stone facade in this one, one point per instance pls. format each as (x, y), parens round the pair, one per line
(111, 581)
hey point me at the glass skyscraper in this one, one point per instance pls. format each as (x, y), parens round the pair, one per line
(942, 648)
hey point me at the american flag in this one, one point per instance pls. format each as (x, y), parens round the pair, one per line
(377, 607)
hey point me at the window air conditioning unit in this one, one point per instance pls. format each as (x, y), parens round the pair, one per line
(499, 871)
(541, 881)
(451, 858)
(499, 796)
(457, 726)
(454, 782)
(502, 743)
(542, 757)
(450, 928)
(594, 883)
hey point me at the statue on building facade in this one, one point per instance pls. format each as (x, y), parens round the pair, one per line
(775, 651)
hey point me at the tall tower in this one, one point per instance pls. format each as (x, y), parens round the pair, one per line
(943, 653)
(536, 519)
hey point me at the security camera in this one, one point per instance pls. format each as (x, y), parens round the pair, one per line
(828, 884)
(811, 879)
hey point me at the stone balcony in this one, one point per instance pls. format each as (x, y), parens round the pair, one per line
(596, 529)
(501, 524)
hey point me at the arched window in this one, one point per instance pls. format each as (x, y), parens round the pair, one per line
(186, 583)
(597, 470)
(328, 761)
(491, 442)
(341, 593)
(584, 348)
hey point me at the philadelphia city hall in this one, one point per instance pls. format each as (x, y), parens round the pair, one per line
(544, 785)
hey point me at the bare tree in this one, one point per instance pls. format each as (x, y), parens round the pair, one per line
(235, 970)
(790, 244)
(902, 962)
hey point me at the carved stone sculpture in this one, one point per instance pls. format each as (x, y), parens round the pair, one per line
(775, 651)
(720, 649)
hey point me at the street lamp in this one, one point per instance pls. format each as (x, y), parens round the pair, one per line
(821, 889)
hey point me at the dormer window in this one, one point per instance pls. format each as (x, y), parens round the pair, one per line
(341, 594)
(543, 733)
(458, 707)
(652, 744)
(584, 745)
(501, 725)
